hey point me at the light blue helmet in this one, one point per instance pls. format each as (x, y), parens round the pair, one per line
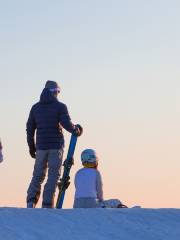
(89, 156)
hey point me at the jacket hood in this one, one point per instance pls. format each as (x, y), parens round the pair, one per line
(47, 97)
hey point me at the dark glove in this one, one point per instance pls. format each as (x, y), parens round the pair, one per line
(78, 130)
(32, 151)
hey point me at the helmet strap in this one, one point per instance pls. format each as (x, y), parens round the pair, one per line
(90, 165)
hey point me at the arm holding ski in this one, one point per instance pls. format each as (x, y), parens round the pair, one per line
(65, 121)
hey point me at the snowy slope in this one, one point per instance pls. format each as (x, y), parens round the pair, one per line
(85, 224)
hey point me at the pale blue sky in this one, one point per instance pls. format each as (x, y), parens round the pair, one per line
(118, 65)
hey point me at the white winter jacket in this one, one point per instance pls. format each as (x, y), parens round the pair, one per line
(88, 184)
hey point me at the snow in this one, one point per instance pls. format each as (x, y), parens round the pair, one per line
(85, 224)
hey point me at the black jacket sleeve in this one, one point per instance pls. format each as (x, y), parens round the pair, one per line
(65, 119)
(30, 129)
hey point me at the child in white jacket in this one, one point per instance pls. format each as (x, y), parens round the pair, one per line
(88, 185)
(88, 182)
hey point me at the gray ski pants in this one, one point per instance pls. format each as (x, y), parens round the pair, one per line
(50, 160)
(86, 203)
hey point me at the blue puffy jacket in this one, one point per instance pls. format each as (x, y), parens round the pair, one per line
(47, 117)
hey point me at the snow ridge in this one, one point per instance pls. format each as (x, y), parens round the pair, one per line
(86, 224)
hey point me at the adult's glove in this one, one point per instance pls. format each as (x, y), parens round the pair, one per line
(78, 130)
(32, 151)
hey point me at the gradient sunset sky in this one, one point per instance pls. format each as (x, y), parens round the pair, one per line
(117, 63)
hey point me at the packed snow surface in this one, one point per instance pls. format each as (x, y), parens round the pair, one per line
(89, 224)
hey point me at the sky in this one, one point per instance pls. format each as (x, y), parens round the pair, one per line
(117, 63)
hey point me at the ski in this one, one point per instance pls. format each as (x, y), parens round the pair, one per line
(64, 181)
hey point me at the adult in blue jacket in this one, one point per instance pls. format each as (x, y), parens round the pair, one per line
(47, 118)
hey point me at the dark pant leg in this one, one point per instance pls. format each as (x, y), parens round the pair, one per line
(39, 173)
(54, 167)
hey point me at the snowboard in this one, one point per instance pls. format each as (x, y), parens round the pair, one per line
(115, 203)
(64, 181)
